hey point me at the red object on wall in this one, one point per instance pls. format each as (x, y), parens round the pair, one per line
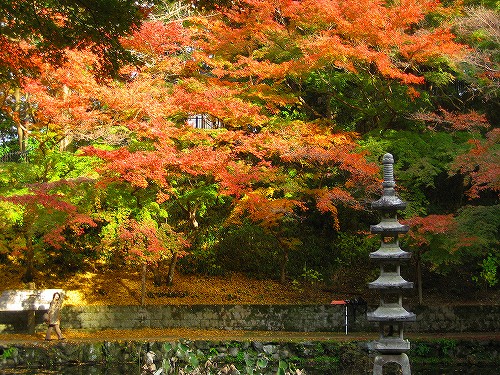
(338, 302)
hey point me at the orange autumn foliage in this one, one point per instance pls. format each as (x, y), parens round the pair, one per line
(272, 39)
(236, 66)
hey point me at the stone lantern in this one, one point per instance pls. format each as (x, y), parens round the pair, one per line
(390, 315)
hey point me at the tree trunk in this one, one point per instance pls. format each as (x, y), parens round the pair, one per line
(284, 262)
(143, 284)
(171, 269)
(22, 132)
(192, 215)
(158, 273)
(30, 255)
(419, 280)
(67, 139)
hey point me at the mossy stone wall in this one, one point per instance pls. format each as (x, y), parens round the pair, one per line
(299, 318)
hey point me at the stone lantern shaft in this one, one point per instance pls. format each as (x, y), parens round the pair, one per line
(390, 314)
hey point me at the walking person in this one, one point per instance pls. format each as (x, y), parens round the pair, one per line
(53, 317)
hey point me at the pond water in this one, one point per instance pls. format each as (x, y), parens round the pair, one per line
(131, 369)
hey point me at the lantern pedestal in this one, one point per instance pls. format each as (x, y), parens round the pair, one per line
(401, 359)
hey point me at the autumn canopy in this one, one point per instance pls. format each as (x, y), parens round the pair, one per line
(295, 94)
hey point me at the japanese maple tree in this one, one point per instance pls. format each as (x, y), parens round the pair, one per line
(40, 215)
(248, 66)
(148, 243)
(282, 52)
(464, 236)
(31, 31)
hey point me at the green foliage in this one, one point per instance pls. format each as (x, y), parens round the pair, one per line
(308, 276)
(481, 223)
(45, 167)
(488, 274)
(247, 248)
(421, 349)
(38, 226)
(8, 353)
(8, 136)
(360, 101)
(114, 205)
(447, 347)
(203, 256)
(191, 195)
(179, 356)
(439, 78)
(422, 165)
(351, 249)
(439, 71)
(478, 229)
(182, 358)
(311, 276)
(467, 248)
(202, 261)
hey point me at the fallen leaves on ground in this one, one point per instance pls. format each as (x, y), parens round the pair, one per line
(149, 334)
(123, 287)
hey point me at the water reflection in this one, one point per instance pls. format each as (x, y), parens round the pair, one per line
(75, 370)
(464, 369)
(131, 369)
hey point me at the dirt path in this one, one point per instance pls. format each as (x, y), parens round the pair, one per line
(220, 335)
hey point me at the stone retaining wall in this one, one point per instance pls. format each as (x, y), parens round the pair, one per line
(302, 318)
(456, 319)
(226, 317)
